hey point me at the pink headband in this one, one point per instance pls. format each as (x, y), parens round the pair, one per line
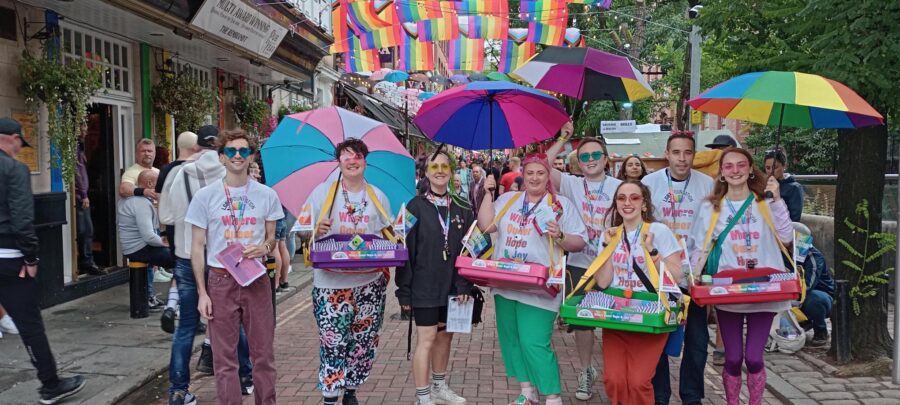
(540, 159)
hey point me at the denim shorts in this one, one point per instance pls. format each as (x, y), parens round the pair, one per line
(280, 229)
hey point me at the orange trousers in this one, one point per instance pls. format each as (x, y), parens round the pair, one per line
(629, 363)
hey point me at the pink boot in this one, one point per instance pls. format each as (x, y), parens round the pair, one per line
(756, 385)
(732, 385)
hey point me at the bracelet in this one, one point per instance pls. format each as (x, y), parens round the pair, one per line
(561, 238)
(268, 248)
(654, 252)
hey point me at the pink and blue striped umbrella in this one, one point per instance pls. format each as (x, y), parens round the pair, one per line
(491, 115)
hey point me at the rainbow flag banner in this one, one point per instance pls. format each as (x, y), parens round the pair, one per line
(418, 10)
(544, 11)
(381, 38)
(518, 34)
(513, 55)
(341, 32)
(358, 59)
(363, 16)
(484, 27)
(497, 8)
(415, 55)
(604, 4)
(547, 34)
(466, 54)
(445, 28)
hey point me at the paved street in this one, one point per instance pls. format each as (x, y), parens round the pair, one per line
(476, 365)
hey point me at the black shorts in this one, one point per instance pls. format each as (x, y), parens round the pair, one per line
(573, 274)
(430, 316)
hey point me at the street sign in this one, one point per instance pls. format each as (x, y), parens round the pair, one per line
(609, 127)
(696, 117)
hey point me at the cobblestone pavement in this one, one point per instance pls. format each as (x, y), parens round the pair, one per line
(476, 370)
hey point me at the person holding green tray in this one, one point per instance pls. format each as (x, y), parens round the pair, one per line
(630, 358)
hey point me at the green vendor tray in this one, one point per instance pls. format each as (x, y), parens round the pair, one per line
(619, 320)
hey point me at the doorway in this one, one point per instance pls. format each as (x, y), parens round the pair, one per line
(100, 150)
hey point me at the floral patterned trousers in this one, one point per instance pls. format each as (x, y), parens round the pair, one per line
(349, 321)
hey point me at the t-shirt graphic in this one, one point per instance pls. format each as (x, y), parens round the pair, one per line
(624, 275)
(593, 206)
(677, 206)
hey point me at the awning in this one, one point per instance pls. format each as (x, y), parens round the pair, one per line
(382, 111)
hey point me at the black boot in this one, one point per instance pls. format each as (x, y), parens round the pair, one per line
(205, 363)
(64, 389)
(349, 398)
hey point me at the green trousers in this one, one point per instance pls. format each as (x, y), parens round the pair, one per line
(524, 332)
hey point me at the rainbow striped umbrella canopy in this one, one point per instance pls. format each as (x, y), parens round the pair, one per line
(788, 98)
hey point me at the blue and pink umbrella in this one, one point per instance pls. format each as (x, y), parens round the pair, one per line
(299, 155)
(491, 115)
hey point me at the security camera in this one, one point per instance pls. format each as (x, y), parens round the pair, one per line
(694, 12)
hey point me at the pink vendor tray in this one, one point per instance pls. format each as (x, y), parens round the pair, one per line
(505, 274)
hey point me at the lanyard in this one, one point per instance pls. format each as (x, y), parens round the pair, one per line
(236, 222)
(354, 214)
(674, 198)
(526, 212)
(445, 223)
(628, 246)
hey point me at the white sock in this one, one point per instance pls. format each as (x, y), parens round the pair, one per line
(530, 393)
(173, 297)
(424, 393)
(439, 379)
(206, 341)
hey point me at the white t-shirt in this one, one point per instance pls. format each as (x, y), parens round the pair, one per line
(624, 276)
(677, 214)
(211, 210)
(593, 207)
(735, 252)
(525, 244)
(371, 222)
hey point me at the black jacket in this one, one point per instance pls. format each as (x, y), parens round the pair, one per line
(426, 281)
(816, 272)
(17, 208)
(792, 193)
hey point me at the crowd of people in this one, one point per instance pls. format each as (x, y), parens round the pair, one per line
(627, 225)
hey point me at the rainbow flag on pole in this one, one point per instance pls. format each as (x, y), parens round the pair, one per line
(513, 55)
(484, 26)
(445, 28)
(547, 34)
(358, 59)
(466, 54)
(415, 55)
(363, 16)
(341, 32)
(418, 10)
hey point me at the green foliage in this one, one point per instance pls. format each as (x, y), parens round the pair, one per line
(65, 89)
(252, 113)
(291, 109)
(866, 285)
(809, 151)
(187, 100)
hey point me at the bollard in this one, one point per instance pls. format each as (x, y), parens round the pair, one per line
(840, 322)
(137, 287)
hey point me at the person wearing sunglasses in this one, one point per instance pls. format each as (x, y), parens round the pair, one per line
(525, 319)
(677, 192)
(592, 195)
(429, 279)
(351, 206)
(757, 226)
(236, 212)
(630, 358)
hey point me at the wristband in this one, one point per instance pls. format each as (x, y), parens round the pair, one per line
(561, 238)
(604, 244)
(654, 252)
(268, 249)
(139, 191)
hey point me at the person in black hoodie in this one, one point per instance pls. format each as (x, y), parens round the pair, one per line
(791, 191)
(430, 279)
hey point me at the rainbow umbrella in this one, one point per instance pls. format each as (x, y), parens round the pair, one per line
(299, 155)
(489, 114)
(586, 74)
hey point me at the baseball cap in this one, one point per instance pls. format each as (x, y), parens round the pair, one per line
(722, 141)
(206, 136)
(10, 126)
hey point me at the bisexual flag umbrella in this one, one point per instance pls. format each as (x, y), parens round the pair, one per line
(794, 99)
(586, 74)
(489, 114)
(459, 78)
(299, 155)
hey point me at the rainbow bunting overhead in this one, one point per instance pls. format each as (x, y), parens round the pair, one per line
(415, 55)
(466, 54)
(544, 11)
(574, 39)
(445, 28)
(363, 16)
(485, 27)
(358, 59)
(481, 7)
(340, 32)
(599, 3)
(513, 55)
(381, 38)
(418, 10)
(547, 34)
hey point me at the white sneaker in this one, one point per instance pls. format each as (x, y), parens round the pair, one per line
(442, 394)
(7, 325)
(161, 276)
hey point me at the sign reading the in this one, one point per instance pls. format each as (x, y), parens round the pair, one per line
(240, 24)
(610, 127)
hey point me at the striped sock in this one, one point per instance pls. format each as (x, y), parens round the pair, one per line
(439, 378)
(331, 400)
(173, 297)
(424, 393)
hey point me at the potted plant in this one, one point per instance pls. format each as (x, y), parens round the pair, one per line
(187, 100)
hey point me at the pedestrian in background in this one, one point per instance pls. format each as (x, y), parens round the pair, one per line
(84, 225)
(633, 168)
(19, 292)
(791, 190)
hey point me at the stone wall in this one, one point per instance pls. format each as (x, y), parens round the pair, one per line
(822, 228)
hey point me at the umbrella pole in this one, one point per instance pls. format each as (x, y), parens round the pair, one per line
(491, 132)
(777, 145)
